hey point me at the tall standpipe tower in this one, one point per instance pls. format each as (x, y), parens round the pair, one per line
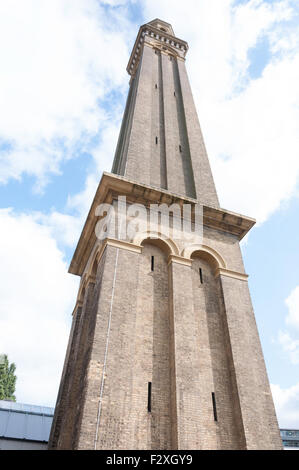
(164, 351)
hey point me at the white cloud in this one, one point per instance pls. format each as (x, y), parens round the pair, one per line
(287, 405)
(64, 228)
(290, 345)
(103, 154)
(59, 59)
(253, 19)
(292, 302)
(114, 3)
(81, 202)
(37, 299)
(289, 340)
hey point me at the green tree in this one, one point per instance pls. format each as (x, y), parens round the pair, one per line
(7, 379)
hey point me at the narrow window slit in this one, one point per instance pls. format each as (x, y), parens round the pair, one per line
(156, 86)
(214, 406)
(156, 140)
(149, 397)
(174, 93)
(200, 275)
(152, 263)
(180, 147)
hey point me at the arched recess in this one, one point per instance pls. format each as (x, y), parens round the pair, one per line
(207, 252)
(82, 294)
(94, 267)
(209, 311)
(158, 239)
(90, 273)
(82, 288)
(152, 332)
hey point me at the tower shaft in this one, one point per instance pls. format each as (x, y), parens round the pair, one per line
(164, 351)
(160, 142)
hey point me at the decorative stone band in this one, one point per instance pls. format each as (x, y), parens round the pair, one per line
(164, 50)
(123, 245)
(107, 242)
(117, 244)
(218, 271)
(229, 273)
(179, 260)
(171, 259)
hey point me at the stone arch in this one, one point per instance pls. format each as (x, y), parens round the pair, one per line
(157, 238)
(207, 252)
(90, 272)
(82, 289)
(94, 266)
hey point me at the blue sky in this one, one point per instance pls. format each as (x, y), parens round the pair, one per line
(63, 88)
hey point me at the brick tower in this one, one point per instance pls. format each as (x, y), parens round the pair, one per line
(164, 351)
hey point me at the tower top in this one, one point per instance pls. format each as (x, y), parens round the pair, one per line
(160, 35)
(162, 25)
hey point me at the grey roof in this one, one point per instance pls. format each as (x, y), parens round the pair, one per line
(21, 421)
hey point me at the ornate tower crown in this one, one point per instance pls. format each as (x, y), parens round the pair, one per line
(159, 35)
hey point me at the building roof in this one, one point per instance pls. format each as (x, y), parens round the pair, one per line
(22, 421)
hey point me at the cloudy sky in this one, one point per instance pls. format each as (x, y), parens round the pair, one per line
(63, 85)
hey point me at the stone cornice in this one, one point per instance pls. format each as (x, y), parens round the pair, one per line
(112, 185)
(229, 273)
(165, 39)
(227, 221)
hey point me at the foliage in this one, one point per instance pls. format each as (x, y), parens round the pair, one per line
(7, 379)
